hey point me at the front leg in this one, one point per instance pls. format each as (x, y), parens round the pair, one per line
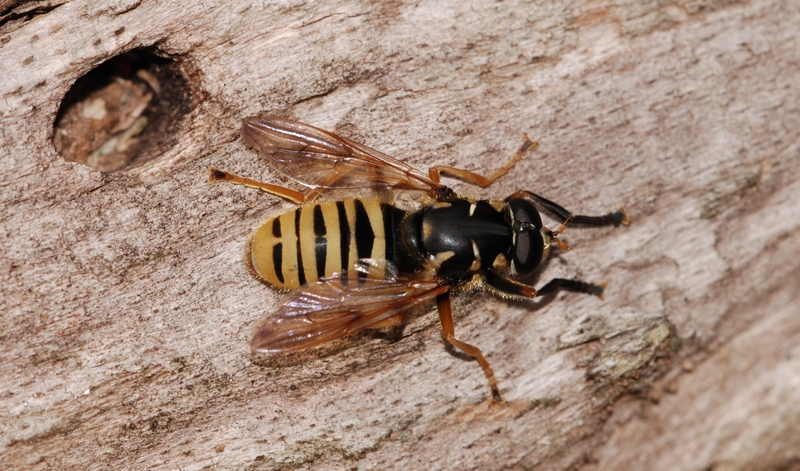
(576, 286)
(616, 218)
(504, 286)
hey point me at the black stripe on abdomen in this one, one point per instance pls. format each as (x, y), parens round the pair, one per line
(277, 259)
(301, 274)
(276, 227)
(321, 242)
(365, 236)
(319, 222)
(344, 233)
(388, 212)
(321, 253)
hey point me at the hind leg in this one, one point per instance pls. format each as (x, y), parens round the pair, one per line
(215, 175)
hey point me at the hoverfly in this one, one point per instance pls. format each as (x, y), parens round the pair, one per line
(364, 262)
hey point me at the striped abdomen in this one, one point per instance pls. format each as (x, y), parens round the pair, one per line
(319, 239)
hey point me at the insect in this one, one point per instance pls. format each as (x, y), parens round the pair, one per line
(363, 262)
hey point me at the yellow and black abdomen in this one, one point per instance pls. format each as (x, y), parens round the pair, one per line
(319, 239)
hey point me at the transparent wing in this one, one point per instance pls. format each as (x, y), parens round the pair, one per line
(333, 307)
(323, 160)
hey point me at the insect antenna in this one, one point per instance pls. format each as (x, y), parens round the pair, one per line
(561, 244)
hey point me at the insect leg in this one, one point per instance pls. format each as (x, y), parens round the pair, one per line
(616, 218)
(503, 285)
(393, 321)
(480, 180)
(576, 286)
(449, 334)
(215, 175)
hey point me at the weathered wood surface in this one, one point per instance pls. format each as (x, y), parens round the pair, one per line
(126, 307)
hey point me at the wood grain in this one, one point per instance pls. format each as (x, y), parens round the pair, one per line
(127, 308)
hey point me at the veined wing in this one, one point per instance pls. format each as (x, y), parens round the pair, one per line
(322, 160)
(333, 307)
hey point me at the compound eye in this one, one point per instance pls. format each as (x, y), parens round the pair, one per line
(529, 246)
(528, 252)
(525, 211)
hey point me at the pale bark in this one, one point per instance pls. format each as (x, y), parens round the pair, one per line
(127, 308)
